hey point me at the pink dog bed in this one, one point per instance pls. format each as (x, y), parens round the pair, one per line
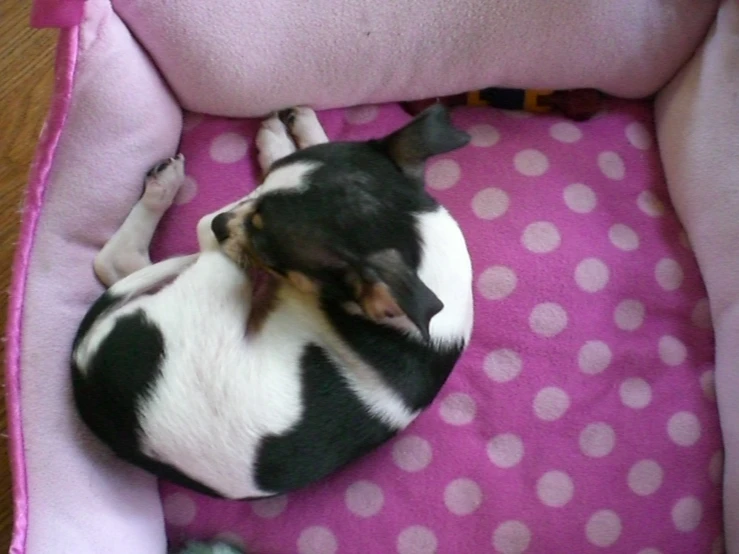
(583, 417)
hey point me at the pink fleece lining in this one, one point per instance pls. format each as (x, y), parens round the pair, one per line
(57, 13)
(66, 60)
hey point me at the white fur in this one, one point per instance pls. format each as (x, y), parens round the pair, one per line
(447, 270)
(306, 128)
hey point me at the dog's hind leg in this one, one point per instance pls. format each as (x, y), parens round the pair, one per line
(127, 250)
(303, 124)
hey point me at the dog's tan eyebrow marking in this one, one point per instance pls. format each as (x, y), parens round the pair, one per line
(257, 221)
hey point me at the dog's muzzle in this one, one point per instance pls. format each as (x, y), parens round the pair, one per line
(219, 226)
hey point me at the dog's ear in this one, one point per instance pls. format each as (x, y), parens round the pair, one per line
(430, 133)
(386, 287)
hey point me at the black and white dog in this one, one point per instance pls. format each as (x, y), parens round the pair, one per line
(324, 311)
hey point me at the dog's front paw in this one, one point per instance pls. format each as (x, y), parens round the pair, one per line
(273, 142)
(162, 183)
(304, 126)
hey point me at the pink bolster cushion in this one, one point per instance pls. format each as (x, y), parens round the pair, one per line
(245, 59)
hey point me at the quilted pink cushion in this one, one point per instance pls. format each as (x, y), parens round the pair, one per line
(581, 419)
(244, 59)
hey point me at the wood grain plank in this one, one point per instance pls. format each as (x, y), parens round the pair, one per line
(26, 70)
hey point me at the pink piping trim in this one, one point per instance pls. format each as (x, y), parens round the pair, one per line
(66, 62)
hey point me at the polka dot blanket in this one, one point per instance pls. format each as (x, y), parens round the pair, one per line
(581, 419)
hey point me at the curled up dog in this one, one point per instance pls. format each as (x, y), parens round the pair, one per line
(323, 313)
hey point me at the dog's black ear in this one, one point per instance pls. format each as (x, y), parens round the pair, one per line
(386, 287)
(430, 133)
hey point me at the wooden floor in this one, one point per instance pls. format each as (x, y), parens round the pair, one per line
(26, 78)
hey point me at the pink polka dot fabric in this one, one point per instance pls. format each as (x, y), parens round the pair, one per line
(581, 419)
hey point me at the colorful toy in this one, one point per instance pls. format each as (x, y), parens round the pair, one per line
(576, 104)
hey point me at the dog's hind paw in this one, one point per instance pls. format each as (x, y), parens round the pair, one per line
(163, 182)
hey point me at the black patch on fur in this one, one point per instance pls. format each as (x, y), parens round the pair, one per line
(335, 429)
(119, 374)
(415, 370)
(356, 202)
(101, 305)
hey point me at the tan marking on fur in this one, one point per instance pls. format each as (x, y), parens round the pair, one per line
(302, 282)
(378, 303)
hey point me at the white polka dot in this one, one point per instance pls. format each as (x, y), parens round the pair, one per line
(716, 467)
(505, 450)
(638, 136)
(511, 537)
(701, 316)
(551, 403)
(649, 551)
(555, 489)
(684, 429)
(541, 237)
(645, 477)
(629, 315)
(580, 198)
(591, 275)
(232, 539)
(708, 384)
(548, 319)
(490, 203)
(412, 453)
(672, 351)
(594, 357)
(611, 165)
(564, 131)
(317, 540)
(635, 393)
(669, 274)
(179, 509)
(364, 498)
(228, 148)
(443, 174)
(531, 163)
(417, 540)
(458, 408)
(687, 514)
(483, 135)
(497, 282)
(269, 508)
(603, 528)
(623, 237)
(650, 204)
(502, 365)
(462, 496)
(597, 440)
(360, 115)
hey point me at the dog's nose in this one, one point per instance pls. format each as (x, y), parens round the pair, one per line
(219, 226)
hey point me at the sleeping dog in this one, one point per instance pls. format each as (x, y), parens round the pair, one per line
(323, 312)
